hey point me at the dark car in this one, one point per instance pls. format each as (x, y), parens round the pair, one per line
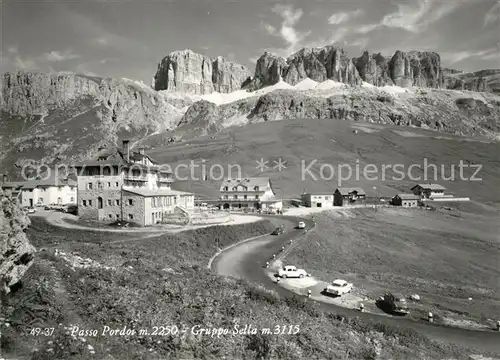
(393, 303)
(278, 231)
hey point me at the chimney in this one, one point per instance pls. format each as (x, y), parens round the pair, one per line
(126, 150)
(141, 150)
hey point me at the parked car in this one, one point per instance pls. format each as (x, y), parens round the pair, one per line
(301, 225)
(30, 210)
(290, 271)
(278, 231)
(339, 287)
(394, 303)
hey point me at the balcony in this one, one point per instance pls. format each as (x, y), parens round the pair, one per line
(165, 179)
(240, 199)
(135, 177)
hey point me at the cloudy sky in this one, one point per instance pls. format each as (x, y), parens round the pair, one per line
(127, 38)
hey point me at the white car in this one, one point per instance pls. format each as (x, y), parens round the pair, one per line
(301, 225)
(338, 287)
(291, 271)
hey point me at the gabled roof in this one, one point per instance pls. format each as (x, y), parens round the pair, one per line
(249, 183)
(408, 196)
(156, 192)
(116, 157)
(350, 190)
(429, 186)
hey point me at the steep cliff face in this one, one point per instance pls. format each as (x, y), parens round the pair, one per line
(16, 253)
(188, 72)
(56, 118)
(483, 80)
(441, 110)
(318, 64)
(422, 69)
(373, 69)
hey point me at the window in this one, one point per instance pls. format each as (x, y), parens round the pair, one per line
(110, 216)
(131, 202)
(117, 216)
(256, 188)
(99, 185)
(118, 202)
(226, 188)
(245, 196)
(84, 202)
(327, 198)
(235, 196)
(131, 217)
(40, 200)
(226, 197)
(235, 188)
(90, 202)
(109, 202)
(72, 199)
(116, 184)
(256, 196)
(89, 186)
(109, 185)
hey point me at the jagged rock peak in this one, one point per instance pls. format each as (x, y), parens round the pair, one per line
(318, 64)
(190, 72)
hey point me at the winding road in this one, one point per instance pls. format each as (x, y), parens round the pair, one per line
(246, 260)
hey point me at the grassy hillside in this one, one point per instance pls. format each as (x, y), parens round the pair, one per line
(163, 282)
(335, 143)
(444, 256)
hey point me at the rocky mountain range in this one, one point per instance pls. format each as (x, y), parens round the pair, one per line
(54, 118)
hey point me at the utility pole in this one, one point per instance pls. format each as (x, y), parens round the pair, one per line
(376, 198)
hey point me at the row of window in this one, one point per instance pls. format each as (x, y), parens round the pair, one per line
(101, 185)
(245, 197)
(160, 201)
(235, 188)
(320, 197)
(130, 202)
(130, 216)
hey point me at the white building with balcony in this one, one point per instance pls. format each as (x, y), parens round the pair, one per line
(127, 185)
(248, 193)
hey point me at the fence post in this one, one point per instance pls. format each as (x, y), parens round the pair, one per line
(430, 316)
(498, 325)
(361, 307)
(267, 264)
(308, 293)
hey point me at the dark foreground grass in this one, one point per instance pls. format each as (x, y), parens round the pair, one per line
(163, 282)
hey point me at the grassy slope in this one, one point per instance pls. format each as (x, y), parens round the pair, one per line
(140, 294)
(334, 142)
(445, 257)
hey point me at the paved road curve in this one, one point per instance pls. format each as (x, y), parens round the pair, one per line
(246, 261)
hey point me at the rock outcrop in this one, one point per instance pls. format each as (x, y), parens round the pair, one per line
(373, 69)
(436, 109)
(318, 64)
(16, 253)
(483, 80)
(422, 69)
(63, 112)
(188, 72)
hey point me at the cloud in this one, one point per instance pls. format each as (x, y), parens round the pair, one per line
(12, 49)
(287, 31)
(54, 56)
(253, 59)
(492, 15)
(342, 17)
(457, 56)
(27, 63)
(365, 29)
(418, 15)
